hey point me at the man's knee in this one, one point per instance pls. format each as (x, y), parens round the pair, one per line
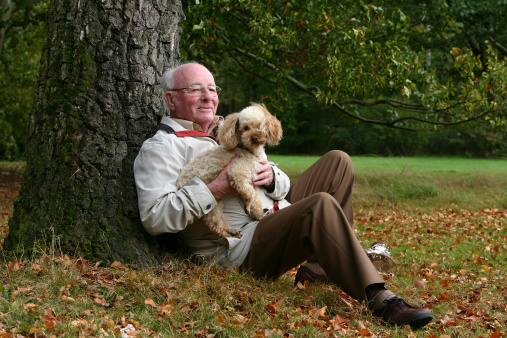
(339, 156)
(323, 200)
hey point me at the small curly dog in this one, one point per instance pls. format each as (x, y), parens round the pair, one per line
(244, 134)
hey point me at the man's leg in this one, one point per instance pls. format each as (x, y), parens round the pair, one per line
(313, 227)
(317, 227)
(295, 234)
(332, 173)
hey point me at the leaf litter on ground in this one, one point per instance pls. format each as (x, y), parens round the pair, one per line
(451, 261)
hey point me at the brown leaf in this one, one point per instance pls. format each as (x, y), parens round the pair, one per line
(30, 307)
(150, 302)
(100, 301)
(320, 312)
(49, 318)
(116, 264)
(445, 283)
(220, 318)
(13, 266)
(272, 307)
(365, 333)
(5, 334)
(67, 299)
(166, 310)
(420, 284)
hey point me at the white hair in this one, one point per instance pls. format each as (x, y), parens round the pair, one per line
(167, 79)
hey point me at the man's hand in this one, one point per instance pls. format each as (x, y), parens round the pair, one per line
(221, 186)
(264, 174)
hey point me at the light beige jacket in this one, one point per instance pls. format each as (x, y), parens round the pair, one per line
(165, 209)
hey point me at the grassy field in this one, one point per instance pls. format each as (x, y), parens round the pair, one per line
(444, 220)
(409, 182)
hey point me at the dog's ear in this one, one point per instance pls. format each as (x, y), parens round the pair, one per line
(274, 128)
(227, 133)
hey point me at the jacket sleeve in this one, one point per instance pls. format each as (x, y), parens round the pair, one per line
(282, 184)
(163, 208)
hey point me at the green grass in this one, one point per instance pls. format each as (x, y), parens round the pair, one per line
(401, 164)
(445, 221)
(431, 182)
(15, 165)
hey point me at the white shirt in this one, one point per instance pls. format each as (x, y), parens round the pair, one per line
(164, 208)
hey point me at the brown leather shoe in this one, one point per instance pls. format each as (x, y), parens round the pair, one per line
(398, 312)
(311, 272)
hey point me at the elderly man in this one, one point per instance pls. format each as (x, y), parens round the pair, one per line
(316, 225)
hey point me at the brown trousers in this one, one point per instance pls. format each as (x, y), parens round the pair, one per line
(318, 226)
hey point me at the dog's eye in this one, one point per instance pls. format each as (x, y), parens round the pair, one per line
(246, 128)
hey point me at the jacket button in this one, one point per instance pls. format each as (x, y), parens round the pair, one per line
(208, 206)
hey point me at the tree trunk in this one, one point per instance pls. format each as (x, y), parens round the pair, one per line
(96, 101)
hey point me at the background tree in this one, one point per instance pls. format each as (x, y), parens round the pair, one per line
(97, 99)
(353, 56)
(21, 37)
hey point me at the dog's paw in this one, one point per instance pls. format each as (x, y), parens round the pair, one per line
(233, 232)
(226, 232)
(255, 212)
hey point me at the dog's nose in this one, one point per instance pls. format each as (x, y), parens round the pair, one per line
(255, 139)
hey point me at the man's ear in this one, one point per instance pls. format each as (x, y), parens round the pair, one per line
(169, 99)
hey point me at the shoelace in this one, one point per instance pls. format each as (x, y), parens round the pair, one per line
(392, 300)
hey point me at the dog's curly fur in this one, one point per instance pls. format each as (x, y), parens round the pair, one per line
(244, 134)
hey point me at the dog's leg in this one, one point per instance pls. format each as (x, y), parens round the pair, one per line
(249, 195)
(253, 205)
(216, 222)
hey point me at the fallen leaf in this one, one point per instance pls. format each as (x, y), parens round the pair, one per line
(67, 299)
(116, 264)
(272, 307)
(360, 325)
(13, 266)
(420, 284)
(5, 334)
(365, 333)
(320, 312)
(150, 302)
(30, 307)
(166, 310)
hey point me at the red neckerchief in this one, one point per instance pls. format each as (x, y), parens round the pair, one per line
(184, 133)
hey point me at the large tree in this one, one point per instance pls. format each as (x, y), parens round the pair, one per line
(96, 101)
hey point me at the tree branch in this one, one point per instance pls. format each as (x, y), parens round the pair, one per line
(313, 91)
(499, 46)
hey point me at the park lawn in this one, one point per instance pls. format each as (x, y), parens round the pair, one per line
(429, 182)
(446, 229)
(402, 164)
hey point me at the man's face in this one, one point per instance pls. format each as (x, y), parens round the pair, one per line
(199, 109)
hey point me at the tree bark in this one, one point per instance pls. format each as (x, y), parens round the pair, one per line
(97, 99)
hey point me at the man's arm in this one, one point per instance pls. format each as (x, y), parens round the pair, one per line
(163, 208)
(221, 186)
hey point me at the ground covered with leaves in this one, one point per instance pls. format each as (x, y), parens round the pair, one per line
(452, 261)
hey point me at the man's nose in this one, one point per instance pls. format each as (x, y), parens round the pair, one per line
(206, 94)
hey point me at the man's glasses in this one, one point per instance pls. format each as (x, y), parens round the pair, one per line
(198, 90)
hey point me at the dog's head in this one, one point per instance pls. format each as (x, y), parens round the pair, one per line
(252, 127)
